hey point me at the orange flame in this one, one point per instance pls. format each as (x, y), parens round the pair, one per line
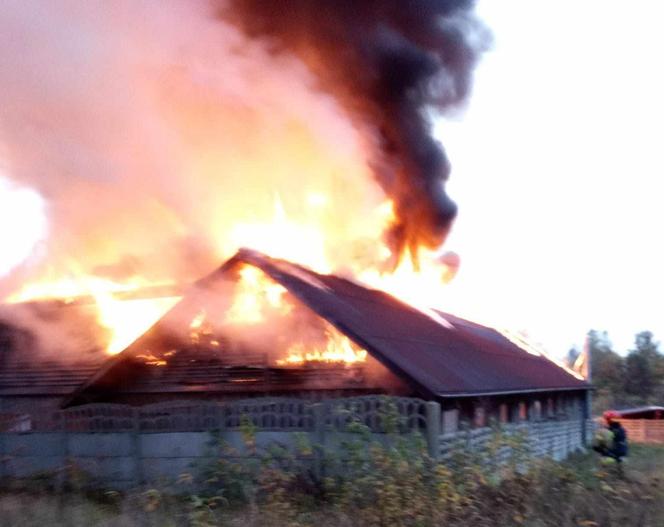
(129, 319)
(338, 348)
(283, 237)
(303, 240)
(151, 360)
(255, 294)
(125, 319)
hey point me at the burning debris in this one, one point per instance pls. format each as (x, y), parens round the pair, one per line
(337, 348)
(250, 313)
(99, 312)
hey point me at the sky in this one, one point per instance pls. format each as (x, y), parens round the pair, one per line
(556, 171)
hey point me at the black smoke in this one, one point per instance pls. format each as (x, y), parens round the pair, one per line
(392, 65)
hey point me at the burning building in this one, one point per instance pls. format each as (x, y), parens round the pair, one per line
(260, 326)
(191, 120)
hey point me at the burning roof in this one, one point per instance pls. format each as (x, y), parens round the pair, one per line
(438, 354)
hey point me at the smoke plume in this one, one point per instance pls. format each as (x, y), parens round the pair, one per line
(153, 129)
(392, 64)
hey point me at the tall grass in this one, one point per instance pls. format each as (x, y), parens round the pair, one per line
(363, 483)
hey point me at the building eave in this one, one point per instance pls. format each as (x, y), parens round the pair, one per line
(488, 393)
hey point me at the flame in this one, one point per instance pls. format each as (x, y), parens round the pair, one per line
(257, 299)
(337, 349)
(296, 182)
(198, 320)
(282, 237)
(69, 289)
(129, 319)
(124, 319)
(255, 293)
(537, 349)
(152, 360)
(422, 287)
(303, 240)
(201, 331)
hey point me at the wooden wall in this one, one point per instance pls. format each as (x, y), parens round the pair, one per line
(644, 430)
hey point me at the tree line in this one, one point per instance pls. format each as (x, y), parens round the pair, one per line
(636, 379)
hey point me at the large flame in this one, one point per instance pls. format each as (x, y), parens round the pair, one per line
(280, 235)
(257, 298)
(123, 319)
(254, 294)
(129, 319)
(293, 181)
(201, 141)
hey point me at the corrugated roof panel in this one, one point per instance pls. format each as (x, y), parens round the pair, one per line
(466, 358)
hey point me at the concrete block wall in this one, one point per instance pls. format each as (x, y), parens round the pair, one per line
(119, 448)
(554, 439)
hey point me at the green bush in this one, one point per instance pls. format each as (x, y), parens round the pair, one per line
(393, 482)
(370, 483)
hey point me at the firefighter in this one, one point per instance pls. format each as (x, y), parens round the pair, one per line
(611, 442)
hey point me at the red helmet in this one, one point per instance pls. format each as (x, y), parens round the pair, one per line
(611, 414)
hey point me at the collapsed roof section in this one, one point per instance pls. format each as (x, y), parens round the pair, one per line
(439, 355)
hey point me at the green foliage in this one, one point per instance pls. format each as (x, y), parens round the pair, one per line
(374, 480)
(644, 369)
(385, 484)
(365, 479)
(634, 380)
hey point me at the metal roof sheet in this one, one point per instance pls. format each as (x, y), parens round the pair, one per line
(24, 378)
(464, 358)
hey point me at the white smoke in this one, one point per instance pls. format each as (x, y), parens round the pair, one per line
(149, 128)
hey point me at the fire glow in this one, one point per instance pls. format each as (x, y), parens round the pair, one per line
(124, 319)
(256, 297)
(254, 294)
(337, 349)
(321, 155)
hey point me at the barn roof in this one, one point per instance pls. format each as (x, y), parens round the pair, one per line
(25, 368)
(451, 356)
(439, 354)
(46, 378)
